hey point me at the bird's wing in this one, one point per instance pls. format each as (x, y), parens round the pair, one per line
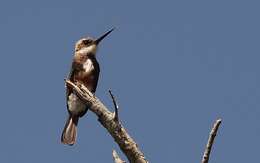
(97, 70)
(70, 77)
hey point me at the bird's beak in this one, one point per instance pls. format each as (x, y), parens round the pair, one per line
(97, 41)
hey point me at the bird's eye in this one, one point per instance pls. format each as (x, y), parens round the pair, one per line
(86, 42)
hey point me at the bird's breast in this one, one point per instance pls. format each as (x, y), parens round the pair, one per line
(87, 73)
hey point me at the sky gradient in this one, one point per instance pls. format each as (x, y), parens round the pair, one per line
(174, 66)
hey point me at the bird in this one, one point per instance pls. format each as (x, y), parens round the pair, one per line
(84, 70)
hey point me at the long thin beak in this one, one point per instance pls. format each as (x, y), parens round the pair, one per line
(97, 41)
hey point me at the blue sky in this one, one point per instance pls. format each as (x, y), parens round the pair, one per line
(174, 66)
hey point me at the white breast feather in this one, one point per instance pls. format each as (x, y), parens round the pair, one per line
(88, 66)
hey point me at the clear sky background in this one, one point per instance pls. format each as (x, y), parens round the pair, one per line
(174, 66)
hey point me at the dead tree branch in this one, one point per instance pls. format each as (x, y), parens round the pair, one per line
(106, 118)
(212, 136)
(116, 158)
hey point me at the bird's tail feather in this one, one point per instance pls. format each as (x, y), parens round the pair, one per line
(69, 133)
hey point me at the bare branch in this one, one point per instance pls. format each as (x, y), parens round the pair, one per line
(106, 118)
(212, 136)
(115, 105)
(116, 158)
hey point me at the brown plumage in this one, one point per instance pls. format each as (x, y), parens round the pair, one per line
(85, 70)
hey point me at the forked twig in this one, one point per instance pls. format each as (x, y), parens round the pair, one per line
(106, 118)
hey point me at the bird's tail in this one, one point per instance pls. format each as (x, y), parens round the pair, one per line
(69, 132)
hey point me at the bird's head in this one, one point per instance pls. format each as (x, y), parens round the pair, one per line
(89, 45)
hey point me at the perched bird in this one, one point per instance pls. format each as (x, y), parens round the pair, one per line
(84, 70)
